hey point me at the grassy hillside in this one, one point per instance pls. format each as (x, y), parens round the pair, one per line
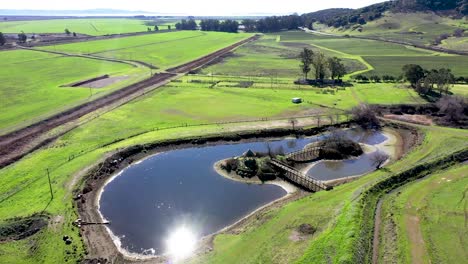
(93, 27)
(416, 28)
(424, 221)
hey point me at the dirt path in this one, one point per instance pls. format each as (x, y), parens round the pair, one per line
(377, 225)
(17, 144)
(417, 244)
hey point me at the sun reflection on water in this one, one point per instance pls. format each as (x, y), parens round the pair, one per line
(181, 243)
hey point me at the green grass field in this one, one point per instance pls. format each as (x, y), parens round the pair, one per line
(162, 50)
(393, 65)
(427, 223)
(31, 83)
(93, 27)
(268, 57)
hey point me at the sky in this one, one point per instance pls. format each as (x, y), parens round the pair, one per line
(191, 7)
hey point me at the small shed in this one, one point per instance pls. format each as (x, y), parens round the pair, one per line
(296, 100)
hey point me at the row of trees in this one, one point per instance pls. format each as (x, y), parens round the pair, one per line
(321, 64)
(230, 26)
(427, 81)
(186, 25)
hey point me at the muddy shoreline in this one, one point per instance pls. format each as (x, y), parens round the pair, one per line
(98, 241)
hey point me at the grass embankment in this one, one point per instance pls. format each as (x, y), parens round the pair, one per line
(162, 50)
(93, 27)
(24, 188)
(31, 83)
(425, 220)
(335, 214)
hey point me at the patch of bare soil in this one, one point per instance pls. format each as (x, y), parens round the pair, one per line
(418, 247)
(104, 82)
(303, 232)
(414, 119)
(20, 228)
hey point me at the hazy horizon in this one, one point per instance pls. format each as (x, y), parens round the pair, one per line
(184, 7)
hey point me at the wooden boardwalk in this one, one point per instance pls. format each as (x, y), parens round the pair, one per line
(304, 155)
(299, 178)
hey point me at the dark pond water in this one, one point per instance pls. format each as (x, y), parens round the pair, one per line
(330, 170)
(147, 201)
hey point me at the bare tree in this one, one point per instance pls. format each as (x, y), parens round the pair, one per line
(379, 158)
(365, 115)
(453, 107)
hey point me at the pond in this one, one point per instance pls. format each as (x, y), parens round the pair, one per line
(148, 202)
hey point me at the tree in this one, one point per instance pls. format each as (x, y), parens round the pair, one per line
(22, 38)
(2, 39)
(149, 29)
(67, 32)
(156, 28)
(306, 57)
(413, 73)
(74, 34)
(336, 67)
(444, 80)
(249, 25)
(379, 158)
(169, 27)
(319, 63)
(293, 123)
(365, 116)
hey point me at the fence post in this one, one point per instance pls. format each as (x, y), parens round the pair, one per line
(50, 185)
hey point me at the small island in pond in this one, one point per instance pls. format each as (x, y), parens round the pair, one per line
(274, 163)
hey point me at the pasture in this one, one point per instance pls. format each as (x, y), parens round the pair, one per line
(88, 26)
(162, 50)
(31, 84)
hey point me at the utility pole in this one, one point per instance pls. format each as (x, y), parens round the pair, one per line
(50, 185)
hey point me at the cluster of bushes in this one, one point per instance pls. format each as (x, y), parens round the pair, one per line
(230, 26)
(376, 78)
(458, 33)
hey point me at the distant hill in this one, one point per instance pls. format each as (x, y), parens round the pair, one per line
(349, 17)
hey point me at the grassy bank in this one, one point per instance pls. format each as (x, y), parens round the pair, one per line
(424, 220)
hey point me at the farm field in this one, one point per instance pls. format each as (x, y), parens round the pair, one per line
(336, 169)
(137, 123)
(384, 65)
(93, 27)
(162, 50)
(268, 57)
(427, 211)
(275, 55)
(31, 84)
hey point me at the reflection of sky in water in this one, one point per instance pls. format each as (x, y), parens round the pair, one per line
(330, 170)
